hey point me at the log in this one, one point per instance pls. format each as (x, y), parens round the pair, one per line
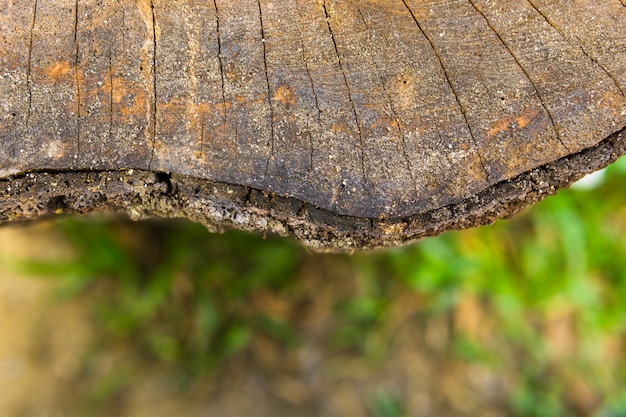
(349, 124)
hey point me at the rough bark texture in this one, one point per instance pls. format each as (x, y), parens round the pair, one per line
(349, 124)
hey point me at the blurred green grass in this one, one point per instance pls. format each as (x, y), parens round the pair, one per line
(540, 298)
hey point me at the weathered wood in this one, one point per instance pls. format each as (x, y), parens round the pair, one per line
(347, 123)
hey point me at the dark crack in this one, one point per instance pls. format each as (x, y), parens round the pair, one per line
(269, 91)
(393, 111)
(306, 67)
(29, 81)
(313, 91)
(345, 79)
(77, 78)
(312, 149)
(110, 94)
(526, 74)
(154, 85)
(456, 96)
(219, 59)
(76, 23)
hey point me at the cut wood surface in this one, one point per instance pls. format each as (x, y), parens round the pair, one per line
(347, 123)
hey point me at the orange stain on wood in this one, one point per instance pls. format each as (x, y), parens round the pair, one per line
(285, 96)
(385, 123)
(130, 99)
(59, 70)
(243, 101)
(131, 102)
(515, 121)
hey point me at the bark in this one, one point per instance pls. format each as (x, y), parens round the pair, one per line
(349, 124)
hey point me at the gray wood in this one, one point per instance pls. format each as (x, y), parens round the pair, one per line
(348, 124)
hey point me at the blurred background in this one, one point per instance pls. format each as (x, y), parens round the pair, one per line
(102, 316)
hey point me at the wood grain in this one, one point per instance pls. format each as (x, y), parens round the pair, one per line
(371, 112)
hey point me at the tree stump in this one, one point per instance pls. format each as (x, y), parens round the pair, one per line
(348, 124)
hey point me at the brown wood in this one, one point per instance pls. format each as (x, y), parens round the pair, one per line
(347, 123)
